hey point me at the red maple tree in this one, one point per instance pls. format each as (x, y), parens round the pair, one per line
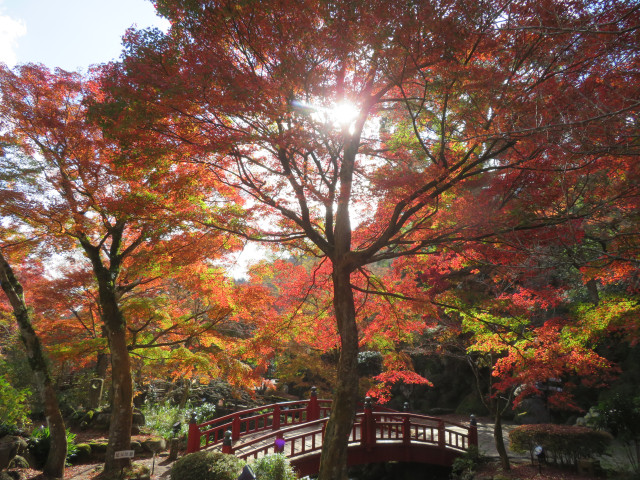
(128, 225)
(462, 108)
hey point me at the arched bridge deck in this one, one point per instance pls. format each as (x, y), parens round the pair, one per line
(297, 430)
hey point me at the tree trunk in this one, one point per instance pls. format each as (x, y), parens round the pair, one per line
(333, 462)
(185, 393)
(54, 466)
(102, 365)
(115, 328)
(121, 382)
(499, 439)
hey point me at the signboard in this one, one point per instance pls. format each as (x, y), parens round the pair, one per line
(124, 454)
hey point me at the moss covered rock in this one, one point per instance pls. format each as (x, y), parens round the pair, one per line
(83, 451)
(98, 447)
(19, 462)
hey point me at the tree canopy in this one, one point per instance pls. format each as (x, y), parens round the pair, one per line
(429, 160)
(476, 123)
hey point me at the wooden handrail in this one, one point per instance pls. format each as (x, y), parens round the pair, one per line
(264, 417)
(282, 421)
(288, 434)
(409, 429)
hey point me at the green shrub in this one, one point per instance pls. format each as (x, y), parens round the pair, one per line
(40, 443)
(465, 465)
(9, 429)
(563, 444)
(75, 396)
(207, 466)
(160, 417)
(14, 409)
(273, 467)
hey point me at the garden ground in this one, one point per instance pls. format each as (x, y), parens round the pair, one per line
(521, 465)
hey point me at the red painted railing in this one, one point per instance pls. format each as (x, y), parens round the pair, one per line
(297, 429)
(297, 440)
(248, 422)
(368, 430)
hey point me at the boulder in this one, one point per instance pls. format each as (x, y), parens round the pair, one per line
(154, 445)
(83, 451)
(137, 446)
(19, 462)
(138, 418)
(10, 446)
(101, 420)
(98, 447)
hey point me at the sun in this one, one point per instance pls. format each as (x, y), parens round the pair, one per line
(343, 114)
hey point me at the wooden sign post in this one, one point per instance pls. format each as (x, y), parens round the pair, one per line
(123, 454)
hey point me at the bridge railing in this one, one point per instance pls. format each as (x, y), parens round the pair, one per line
(294, 441)
(268, 417)
(411, 428)
(368, 429)
(299, 428)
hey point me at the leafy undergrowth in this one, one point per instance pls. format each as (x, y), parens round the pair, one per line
(526, 471)
(523, 471)
(92, 469)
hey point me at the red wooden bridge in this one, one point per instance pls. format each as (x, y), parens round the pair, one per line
(297, 430)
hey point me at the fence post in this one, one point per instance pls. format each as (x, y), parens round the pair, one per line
(235, 427)
(313, 407)
(473, 431)
(193, 436)
(227, 443)
(441, 442)
(276, 418)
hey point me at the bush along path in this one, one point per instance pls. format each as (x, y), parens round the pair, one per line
(609, 456)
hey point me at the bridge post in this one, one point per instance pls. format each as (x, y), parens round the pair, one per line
(235, 427)
(368, 427)
(406, 430)
(193, 436)
(313, 407)
(276, 418)
(441, 442)
(473, 431)
(227, 443)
